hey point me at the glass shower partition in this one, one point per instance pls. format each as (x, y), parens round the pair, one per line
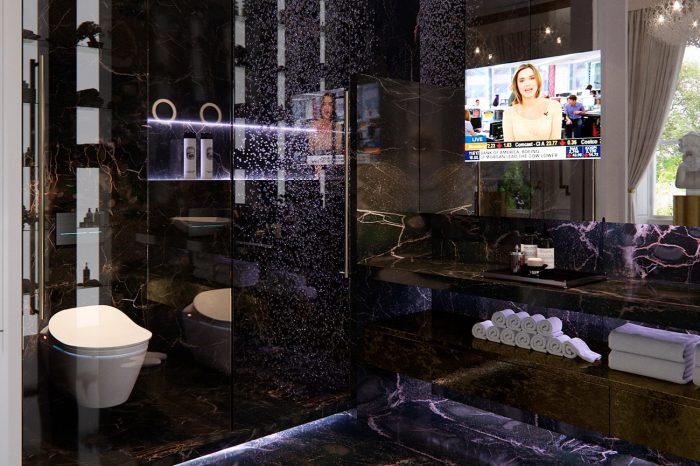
(120, 366)
(185, 235)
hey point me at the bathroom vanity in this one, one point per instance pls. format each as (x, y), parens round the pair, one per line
(437, 346)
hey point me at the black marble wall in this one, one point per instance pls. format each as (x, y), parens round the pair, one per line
(665, 253)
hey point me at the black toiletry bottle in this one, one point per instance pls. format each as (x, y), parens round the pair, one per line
(86, 274)
(89, 219)
(545, 249)
(528, 243)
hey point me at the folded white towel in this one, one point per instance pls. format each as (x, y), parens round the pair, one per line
(508, 336)
(479, 329)
(539, 343)
(515, 321)
(579, 348)
(549, 326)
(493, 334)
(530, 323)
(652, 342)
(555, 345)
(676, 372)
(499, 317)
(522, 340)
(696, 378)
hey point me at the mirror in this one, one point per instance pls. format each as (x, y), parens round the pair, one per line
(633, 182)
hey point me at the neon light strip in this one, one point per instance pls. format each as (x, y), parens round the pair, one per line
(266, 441)
(80, 233)
(87, 356)
(232, 125)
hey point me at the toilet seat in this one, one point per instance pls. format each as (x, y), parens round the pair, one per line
(214, 304)
(98, 327)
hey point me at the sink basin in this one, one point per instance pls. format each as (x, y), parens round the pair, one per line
(200, 226)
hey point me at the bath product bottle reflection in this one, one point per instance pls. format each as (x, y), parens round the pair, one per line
(545, 249)
(86, 274)
(206, 156)
(189, 153)
(528, 243)
(517, 260)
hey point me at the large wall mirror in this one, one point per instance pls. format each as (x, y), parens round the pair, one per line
(634, 101)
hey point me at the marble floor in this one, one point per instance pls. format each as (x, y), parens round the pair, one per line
(177, 411)
(416, 433)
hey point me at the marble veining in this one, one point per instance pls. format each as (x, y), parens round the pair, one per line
(417, 432)
(521, 384)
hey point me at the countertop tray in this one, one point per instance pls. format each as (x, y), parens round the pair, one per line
(554, 277)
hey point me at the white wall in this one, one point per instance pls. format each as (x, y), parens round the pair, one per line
(10, 232)
(610, 37)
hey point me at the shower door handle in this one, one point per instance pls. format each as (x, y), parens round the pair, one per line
(41, 185)
(346, 189)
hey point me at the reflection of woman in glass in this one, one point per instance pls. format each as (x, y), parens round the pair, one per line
(531, 117)
(327, 137)
(468, 128)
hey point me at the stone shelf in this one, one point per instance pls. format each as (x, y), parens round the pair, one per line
(438, 347)
(660, 303)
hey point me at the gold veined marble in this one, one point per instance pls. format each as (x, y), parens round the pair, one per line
(655, 422)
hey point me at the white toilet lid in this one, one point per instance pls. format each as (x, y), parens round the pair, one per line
(215, 304)
(99, 327)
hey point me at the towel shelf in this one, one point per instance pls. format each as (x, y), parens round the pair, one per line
(438, 347)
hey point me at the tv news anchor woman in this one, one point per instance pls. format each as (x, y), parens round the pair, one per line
(531, 118)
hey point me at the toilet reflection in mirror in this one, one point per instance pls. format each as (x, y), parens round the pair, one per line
(207, 325)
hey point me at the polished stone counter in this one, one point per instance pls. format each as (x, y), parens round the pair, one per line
(660, 303)
(438, 347)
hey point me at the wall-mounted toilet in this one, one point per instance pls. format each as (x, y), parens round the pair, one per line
(207, 323)
(94, 353)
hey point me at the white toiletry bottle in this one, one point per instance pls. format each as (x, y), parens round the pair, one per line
(206, 157)
(189, 156)
(545, 250)
(528, 244)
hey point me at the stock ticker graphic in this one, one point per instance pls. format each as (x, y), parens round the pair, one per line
(479, 149)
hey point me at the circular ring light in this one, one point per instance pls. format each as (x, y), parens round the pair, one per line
(167, 102)
(210, 105)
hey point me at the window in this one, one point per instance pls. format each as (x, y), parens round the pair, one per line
(657, 187)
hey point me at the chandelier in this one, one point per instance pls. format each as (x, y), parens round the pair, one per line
(676, 22)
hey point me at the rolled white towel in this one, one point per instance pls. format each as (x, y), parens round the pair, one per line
(522, 340)
(479, 329)
(579, 348)
(549, 326)
(539, 343)
(653, 342)
(530, 323)
(696, 378)
(499, 317)
(676, 372)
(508, 336)
(555, 345)
(493, 334)
(515, 321)
(697, 357)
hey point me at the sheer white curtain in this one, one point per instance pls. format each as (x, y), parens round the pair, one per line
(653, 67)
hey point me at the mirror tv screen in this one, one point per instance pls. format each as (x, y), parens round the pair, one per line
(544, 109)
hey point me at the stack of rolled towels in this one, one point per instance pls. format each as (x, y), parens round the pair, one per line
(535, 332)
(656, 353)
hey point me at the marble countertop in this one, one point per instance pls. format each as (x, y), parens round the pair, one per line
(661, 303)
